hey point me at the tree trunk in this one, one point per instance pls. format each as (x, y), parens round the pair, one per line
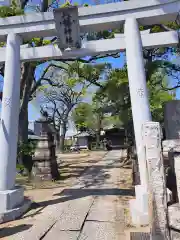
(54, 166)
(98, 134)
(28, 164)
(27, 74)
(57, 141)
(23, 125)
(23, 132)
(62, 138)
(26, 160)
(44, 5)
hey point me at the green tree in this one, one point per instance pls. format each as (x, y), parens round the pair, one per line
(158, 97)
(81, 116)
(116, 93)
(58, 103)
(68, 91)
(91, 117)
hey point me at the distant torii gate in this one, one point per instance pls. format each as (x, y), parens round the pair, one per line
(71, 22)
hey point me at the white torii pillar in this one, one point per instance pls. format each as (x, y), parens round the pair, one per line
(138, 90)
(141, 114)
(10, 196)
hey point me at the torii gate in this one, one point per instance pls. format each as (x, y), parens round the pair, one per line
(94, 18)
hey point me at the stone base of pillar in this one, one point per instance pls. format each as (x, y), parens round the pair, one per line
(13, 204)
(174, 219)
(139, 207)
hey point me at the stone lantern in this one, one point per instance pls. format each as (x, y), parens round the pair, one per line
(45, 165)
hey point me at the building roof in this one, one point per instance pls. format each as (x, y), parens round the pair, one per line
(32, 136)
(82, 134)
(85, 134)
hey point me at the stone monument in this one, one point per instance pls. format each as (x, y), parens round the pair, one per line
(172, 142)
(172, 119)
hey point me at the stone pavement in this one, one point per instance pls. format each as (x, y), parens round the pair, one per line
(90, 210)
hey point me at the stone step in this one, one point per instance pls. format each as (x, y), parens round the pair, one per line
(174, 216)
(174, 221)
(138, 216)
(139, 236)
(174, 234)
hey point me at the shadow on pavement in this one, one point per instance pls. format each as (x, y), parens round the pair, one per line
(8, 231)
(95, 181)
(92, 180)
(72, 194)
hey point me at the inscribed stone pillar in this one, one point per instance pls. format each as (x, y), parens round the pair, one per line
(172, 119)
(157, 186)
(138, 90)
(177, 171)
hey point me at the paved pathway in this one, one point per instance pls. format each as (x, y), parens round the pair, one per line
(90, 210)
